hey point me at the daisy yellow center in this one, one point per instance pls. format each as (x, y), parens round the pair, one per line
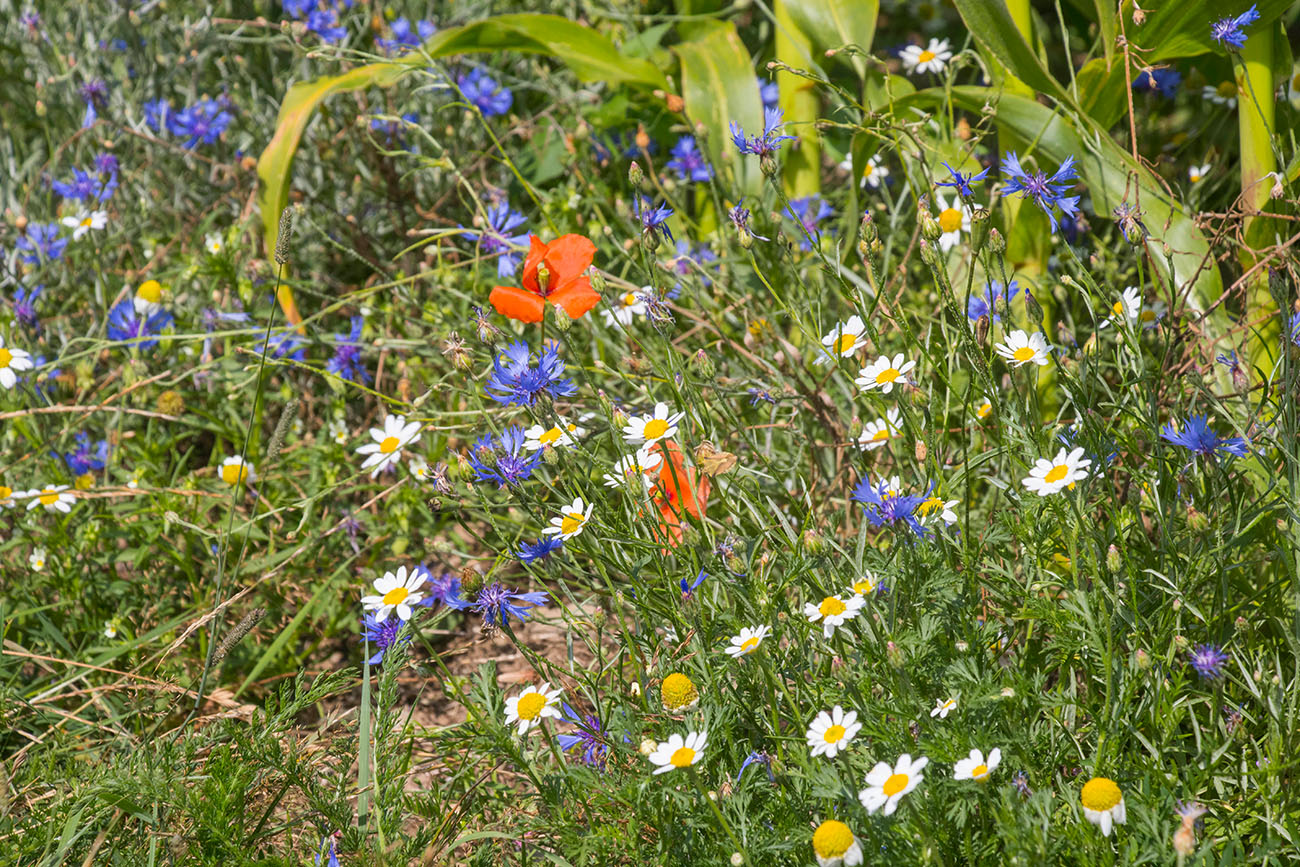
(5, 357)
(150, 290)
(571, 522)
(984, 410)
(678, 691)
(831, 606)
(5, 492)
(530, 705)
(882, 434)
(1147, 315)
(1227, 90)
(832, 839)
(629, 299)
(655, 428)
(1117, 308)
(929, 504)
(389, 445)
(85, 481)
(1056, 473)
(863, 586)
(1100, 794)
(1024, 353)
(867, 172)
(845, 343)
(551, 436)
(895, 784)
(950, 219)
(234, 473)
(833, 734)
(979, 772)
(925, 56)
(1195, 175)
(49, 498)
(682, 757)
(888, 375)
(86, 222)
(749, 644)
(396, 596)
(1295, 82)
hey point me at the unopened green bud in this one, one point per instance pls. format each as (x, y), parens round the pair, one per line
(894, 654)
(1113, 560)
(634, 174)
(746, 237)
(930, 228)
(550, 456)
(855, 428)
(471, 581)
(997, 243)
(1181, 643)
(1143, 659)
(650, 240)
(768, 164)
(1197, 520)
(979, 229)
(562, 318)
(598, 282)
(1033, 309)
(813, 542)
(703, 363)
(928, 255)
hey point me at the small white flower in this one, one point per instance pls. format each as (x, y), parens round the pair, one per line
(843, 340)
(110, 629)
(833, 611)
(386, 450)
(628, 307)
(831, 731)
(835, 846)
(55, 498)
(571, 520)
(976, 767)
(936, 505)
(397, 592)
(1196, 174)
(11, 360)
(338, 431)
(37, 559)
(679, 752)
(1020, 348)
(874, 172)
(1048, 477)
(954, 218)
(886, 786)
(658, 425)
(943, 707)
(629, 468)
(84, 222)
(747, 641)
(876, 434)
(1224, 94)
(883, 373)
(1127, 309)
(419, 468)
(1103, 804)
(531, 706)
(933, 58)
(213, 244)
(235, 469)
(563, 434)
(866, 585)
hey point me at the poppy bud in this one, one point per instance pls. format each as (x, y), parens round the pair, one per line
(930, 228)
(927, 253)
(979, 229)
(598, 282)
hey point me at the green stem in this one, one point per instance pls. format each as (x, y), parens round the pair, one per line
(1256, 121)
(722, 820)
(800, 104)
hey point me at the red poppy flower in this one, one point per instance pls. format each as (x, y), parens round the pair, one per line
(679, 491)
(564, 259)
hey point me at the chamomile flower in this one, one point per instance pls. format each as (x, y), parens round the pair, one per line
(386, 450)
(419, 468)
(531, 706)
(629, 468)
(976, 767)
(84, 222)
(55, 498)
(36, 559)
(984, 410)
(571, 520)
(338, 431)
(886, 786)
(933, 58)
(148, 298)
(678, 752)
(1224, 94)
(679, 693)
(397, 592)
(213, 243)
(747, 641)
(1196, 174)
(883, 373)
(831, 731)
(866, 585)
(627, 307)
(936, 506)
(876, 434)
(835, 846)
(874, 172)
(954, 218)
(658, 425)
(563, 434)
(843, 340)
(11, 360)
(1103, 804)
(833, 611)
(1061, 472)
(1127, 309)
(943, 707)
(235, 470)
(1021, 348)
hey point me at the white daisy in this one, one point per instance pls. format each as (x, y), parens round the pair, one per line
(419, 468)
(933, 58)
(984, 410)
(886, 786)
(1020, 348)
(12, 359)
(629, 468)
(954, 218)
(531, 706)
(571, 520)
(1127, 309)
(866, 585)
(1103, 804)
(883, 373)
(833, 611)
(679, 752)
(843, 340)
(1152, 313)
(835, 846)
(747, 641)
(627, 307)
(943, 707)
(386, 450)
(1061, 472)
(976, 767)
(658, 425)
(876, 434)
(7, 497)
(55, 498)
(148, 298)
(397, 592)
(1196, 174)
(936, 505)
(564, 434)
(213, 244)
(1224, 94)
(84, 222)
(831, 731)
(36, 559)
(874, 172)
(338, 431)
(235, 470)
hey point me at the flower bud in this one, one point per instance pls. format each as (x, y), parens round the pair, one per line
(634, 174)
(1033, 309)
(928, 255)
(703, 363)
(893, 654)
(768, 164)
(930, 228)
(997, 243)
(982, 326)
(979, 229)
(598, 281)
(1143, 659)
(1181, 643)
(813, 543)
(1113, 561)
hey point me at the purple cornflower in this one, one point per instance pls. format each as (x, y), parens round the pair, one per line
(769, 142)
(484, 91)
(808, 211)
(760, 395)
(590, 736)
(86, 457)
(498, 604)
(531, 552)
(41, 243)
(740, 219)
(503, 459)
(1021, 782)
(31, 19)
(325, 24)
(886, 508)
(1293, 328)
(95, 94)
(1197, 437)
(987, 304)
(1229, 32)
(200, 123)
(688, 587)
(769, 92)
(347, 354)
(1048, 193)
(1163, 80)
(495, 238)
(1129, 219)
(383, 635)
(653, 219)
(141, 331)
(689, 162)
(962, 182)
(85, 185)
(286, 343)
(1208, 661)
(515, 381)
(445, 590)
(406, 36)
(757, 758)
(24, 304)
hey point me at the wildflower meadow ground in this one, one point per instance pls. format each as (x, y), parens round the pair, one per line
(783, 432)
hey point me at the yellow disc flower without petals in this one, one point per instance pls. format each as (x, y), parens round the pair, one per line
(678, 693)
(834, 845)
(1103, 804)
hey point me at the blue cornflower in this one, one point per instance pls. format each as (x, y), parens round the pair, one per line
(961, 182)
(759, 758)
(1229, 360)
(382, 634)
(347, 354)
(125, 324)
(41, 243)
(95, 94)
(485, 92)
(1208, 661)
(200, 123)
(1197, 437)
(503, 459)
(498, 604)
(406, 36)
(987, 304)
(395, 130)
(105, 163)
(156, 113)
(1229, 31)
(689, 161)
(769, 92)
(692, 258)
(515, 381)
(325, 24)
(87, 456)
(886, 508)
(85, 185)
(760, 395)
(24, 304)
(769, 142)
(808, 211)
(328, 851)
(590, 736)
(740, 219)
(286, 343)
(1163, 80)
(531, 552)
(688, 587)
(1048, 193)
(496, 240)
(42, 381)
(446, 590)
(653, 219)
(1293, 328)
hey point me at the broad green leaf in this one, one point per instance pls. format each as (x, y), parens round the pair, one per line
(990, 22)
(718, 87)
(834, 23)
(1182, 29)
(1108, 24)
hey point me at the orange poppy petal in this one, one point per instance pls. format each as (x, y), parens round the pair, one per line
(567, 257)
(517, 304)
(576, 298)
(536, 252)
